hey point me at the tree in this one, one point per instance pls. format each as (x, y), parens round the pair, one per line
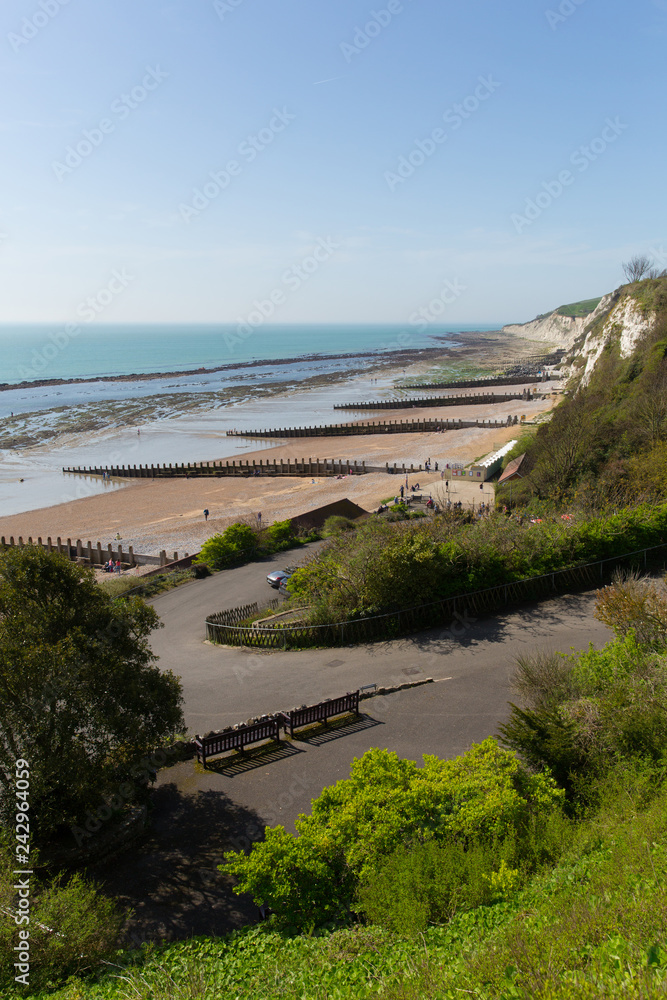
(638, 267)
(81, 698)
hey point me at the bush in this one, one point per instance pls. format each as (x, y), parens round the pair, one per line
(278, 536)
(73, 927)
(430, 882)
(201, 570)
(485, 795)
(590, 711)
(337, 523)
(237, 544)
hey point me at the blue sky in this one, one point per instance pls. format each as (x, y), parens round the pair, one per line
(337, 95)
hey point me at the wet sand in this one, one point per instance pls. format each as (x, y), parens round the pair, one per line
(168, 514)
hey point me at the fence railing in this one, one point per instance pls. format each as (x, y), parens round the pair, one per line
(446, 610)
(232, 615)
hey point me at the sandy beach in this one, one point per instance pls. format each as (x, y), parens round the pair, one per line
(152, 515)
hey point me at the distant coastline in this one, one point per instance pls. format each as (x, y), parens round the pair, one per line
(407, 355)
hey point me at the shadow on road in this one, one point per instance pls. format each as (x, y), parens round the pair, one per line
(249, 760)
(319, 735)
(171, 879)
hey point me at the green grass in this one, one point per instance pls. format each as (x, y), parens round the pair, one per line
(147, 586)
(583, 308)
(594, 925)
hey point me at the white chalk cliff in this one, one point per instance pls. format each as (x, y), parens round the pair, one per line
(618, 316)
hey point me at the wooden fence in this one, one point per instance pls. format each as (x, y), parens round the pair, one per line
(307, 716)
(96, 554)
(451, 611)
(233, 615)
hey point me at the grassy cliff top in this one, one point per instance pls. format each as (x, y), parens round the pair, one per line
(583, 308)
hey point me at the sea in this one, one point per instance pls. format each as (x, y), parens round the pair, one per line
(196, 358)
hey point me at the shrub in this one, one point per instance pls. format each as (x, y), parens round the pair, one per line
(201, 570)
(337, 523)
(73, 927)
(278, 536)
(430, 882)
(590, 711)
(387, 803)
(238, 543)
(631, 604)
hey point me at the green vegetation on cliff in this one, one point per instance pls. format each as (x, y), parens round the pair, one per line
(606, 443)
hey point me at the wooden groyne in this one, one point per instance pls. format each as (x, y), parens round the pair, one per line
(480, 383)
(96, 554)
(470, 399)
(374, 427)
(203, 470)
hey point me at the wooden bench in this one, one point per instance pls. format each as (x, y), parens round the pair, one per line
(300, 717)
(236, 739)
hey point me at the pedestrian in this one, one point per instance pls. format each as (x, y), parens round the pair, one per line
(259, 518)
(206, 513)
(118, 566)
(402, 491)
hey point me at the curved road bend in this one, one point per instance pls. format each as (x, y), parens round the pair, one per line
(171, 879)
(471, 661)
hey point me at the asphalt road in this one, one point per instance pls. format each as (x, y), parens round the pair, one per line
(224, 685)
(171, 880)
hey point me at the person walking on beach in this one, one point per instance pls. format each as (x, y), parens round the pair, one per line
(402, 491)
(206, 513)
(118, 566)
(259, 518)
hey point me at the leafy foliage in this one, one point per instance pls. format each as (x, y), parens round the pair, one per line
(600, 447)
(81, 697)
(242, 543)
(388, 802)
(72, 926)
(383, 567)
(591, 925)
(583, 712)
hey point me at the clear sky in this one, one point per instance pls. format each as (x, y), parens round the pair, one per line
(401, 140)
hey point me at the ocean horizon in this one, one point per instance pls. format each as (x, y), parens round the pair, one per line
(35, 351)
